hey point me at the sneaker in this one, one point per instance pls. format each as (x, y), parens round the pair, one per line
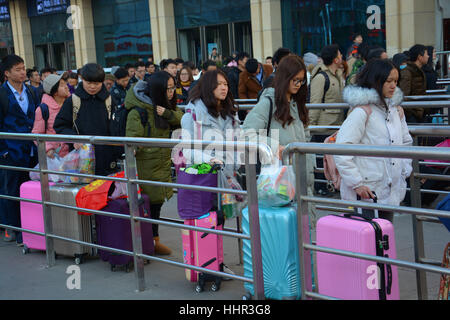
(9, 236)
(227, 270)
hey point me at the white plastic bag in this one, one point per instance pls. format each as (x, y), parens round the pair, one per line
(276, 186)
(232, 205)
(52, 165)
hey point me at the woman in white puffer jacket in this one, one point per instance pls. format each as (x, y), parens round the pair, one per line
(376, 118)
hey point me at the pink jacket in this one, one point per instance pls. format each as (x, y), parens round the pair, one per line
(39, 125)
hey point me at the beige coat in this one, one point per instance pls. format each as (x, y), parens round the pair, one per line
(326, 117)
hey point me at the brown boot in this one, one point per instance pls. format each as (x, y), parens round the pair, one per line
(161, 249)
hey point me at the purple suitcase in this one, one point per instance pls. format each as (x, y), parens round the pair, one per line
(350, 278)
(116, 233)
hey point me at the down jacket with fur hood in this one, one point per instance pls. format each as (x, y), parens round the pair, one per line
(387, 177)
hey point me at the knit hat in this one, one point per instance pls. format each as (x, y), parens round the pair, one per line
(50, 82)
(310, 59)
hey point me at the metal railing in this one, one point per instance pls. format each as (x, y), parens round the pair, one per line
(134, 217)
(299, 152)
(300, 149)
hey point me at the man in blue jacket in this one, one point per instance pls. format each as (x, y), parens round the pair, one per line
(18, 103)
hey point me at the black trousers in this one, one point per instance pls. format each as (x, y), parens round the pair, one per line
(155, 213)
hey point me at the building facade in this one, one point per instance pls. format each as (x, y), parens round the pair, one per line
(66, 34)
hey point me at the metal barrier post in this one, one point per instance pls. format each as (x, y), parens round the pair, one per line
(255, 233)
(419, 247)
(131, 171)
(301, 172)
(47, 210)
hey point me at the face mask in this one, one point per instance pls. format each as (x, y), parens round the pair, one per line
(402, 67)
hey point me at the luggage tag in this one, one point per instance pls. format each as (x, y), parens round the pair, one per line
(368, 214)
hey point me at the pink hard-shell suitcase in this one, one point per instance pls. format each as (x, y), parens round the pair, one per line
(350, 278)
(203, 250)
(31, 215)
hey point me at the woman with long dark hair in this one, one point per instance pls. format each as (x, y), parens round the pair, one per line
(375, 118)
(283, 107)
(157, 100)
(211, 115)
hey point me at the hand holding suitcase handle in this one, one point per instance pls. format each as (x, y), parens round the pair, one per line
(367, 214)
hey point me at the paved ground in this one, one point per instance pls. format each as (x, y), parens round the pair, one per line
(26, 276)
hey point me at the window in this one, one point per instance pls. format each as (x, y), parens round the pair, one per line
(308, 26)
(122, 31)
(196, 13)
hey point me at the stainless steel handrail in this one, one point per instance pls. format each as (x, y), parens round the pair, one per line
(134, 217)
(300, 150)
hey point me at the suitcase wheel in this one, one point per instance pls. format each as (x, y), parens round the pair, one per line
(246, 297)
(79, 259)
(215, 286)
(25, 249)
(129, 267)
(199, 288)
(113, 268)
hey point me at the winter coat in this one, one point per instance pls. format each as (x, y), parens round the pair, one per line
(14, 120)
(413, 82)
(432, 77)
(118, 94)
(153, 164)
(93, 119)
(326, 116)
(209, 128)
(249, 86)
(385, 176)
(257, 122)
(39, 125)
(233, 74)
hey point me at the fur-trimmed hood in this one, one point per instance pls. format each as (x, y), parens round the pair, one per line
(357, 96)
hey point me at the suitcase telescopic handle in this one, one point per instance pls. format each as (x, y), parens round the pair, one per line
(389, 276)
(367, 214)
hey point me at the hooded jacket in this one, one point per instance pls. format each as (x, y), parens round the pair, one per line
(209, 128)
(385, 176)
(39, 125)
(152, 163)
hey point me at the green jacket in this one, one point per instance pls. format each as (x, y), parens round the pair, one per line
(153, 164)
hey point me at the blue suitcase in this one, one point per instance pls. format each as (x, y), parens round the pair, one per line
(280, 257)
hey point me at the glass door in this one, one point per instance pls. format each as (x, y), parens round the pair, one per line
(243, 37)
(189, 45)
(42, 58)
(218, 37)
(59, 61)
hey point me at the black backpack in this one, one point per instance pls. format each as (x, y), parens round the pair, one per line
(119, 120)
(326, 88)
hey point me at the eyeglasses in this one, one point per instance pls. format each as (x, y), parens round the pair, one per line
(171, 89)
(299, 82)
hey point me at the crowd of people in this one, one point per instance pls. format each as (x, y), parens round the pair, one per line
(89, 103)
